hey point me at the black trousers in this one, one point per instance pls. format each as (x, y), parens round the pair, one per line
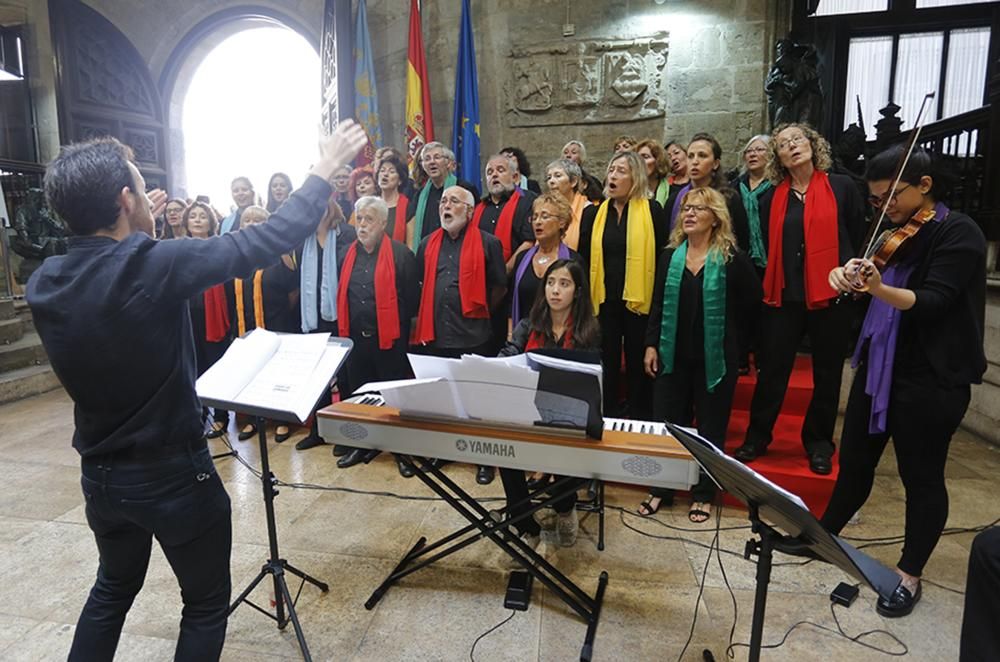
(980, 634)
(682, 398)
(922, 418)
(781, 331)
(181, 502)
(620, 328)
(515, 486)
(367, 363)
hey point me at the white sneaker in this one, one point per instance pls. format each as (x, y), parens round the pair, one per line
(567, 527)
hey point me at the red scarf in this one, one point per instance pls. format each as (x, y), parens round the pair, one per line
(822, 248)
(471, 281)
(216, 313)
(536, 340)
(386, 304)
(505, 224)
(399, 225)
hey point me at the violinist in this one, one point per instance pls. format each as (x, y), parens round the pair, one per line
(921, 346)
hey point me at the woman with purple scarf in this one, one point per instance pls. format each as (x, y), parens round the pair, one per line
(551, 216)
(921, 346)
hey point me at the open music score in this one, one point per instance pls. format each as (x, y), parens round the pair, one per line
(637, 452)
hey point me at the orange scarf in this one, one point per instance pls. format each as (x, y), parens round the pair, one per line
(258, 302)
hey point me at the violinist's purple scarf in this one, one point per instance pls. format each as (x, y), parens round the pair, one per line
(880, 329)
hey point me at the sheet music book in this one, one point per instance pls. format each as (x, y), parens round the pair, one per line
(278, 372)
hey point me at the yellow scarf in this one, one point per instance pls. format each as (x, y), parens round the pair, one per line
(258, 302)
(640, 257)
(577, 204)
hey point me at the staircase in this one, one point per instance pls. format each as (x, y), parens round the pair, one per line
(24, 368)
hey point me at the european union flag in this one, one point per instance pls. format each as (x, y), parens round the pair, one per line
(465, 129)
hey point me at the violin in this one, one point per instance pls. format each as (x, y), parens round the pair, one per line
(885, 247)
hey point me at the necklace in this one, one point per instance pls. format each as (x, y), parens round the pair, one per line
(543, 259)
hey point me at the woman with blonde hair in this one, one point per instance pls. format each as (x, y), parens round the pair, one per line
(620, 240)
(811, 223)
(706, 296)
(657, 169)
(566, 178)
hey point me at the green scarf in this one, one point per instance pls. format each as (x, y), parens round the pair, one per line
(750, 198)
(661, 193)
(713, 304)
(418, 219)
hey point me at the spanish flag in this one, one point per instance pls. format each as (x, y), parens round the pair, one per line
(419, 121)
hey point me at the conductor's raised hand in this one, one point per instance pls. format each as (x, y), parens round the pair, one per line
(339, 148)
(157, 201)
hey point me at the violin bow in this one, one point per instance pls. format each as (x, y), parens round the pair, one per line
(900, 167)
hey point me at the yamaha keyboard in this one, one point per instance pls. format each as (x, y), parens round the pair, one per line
(636, 452)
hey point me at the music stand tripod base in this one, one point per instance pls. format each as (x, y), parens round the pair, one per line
(276, 566)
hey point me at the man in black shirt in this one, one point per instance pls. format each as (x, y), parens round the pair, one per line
(439, 162)
(113, 317)
(376, 271)
(446, 330)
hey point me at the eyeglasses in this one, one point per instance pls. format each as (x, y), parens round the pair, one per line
(877, 201)
(432, 158)
(545, 216)
(365, 220)
(698, 208)
(794, 140)
(174, 210)
(756, 150)
(453, 201)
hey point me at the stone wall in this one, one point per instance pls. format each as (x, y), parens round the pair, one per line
(717, 55)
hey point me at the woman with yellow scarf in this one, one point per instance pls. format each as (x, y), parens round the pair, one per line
(621, 240)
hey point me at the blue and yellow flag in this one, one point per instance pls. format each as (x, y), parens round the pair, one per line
(465, 129)
(365, 98)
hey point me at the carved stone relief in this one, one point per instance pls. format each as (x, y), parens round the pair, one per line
(587, 82)
(106, 79)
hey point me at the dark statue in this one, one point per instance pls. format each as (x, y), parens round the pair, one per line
(793, 89)
(39, 234)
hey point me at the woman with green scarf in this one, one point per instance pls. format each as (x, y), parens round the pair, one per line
(752, 184)
(705, 297)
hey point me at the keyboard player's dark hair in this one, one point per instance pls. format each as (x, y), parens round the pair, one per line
(586, 331)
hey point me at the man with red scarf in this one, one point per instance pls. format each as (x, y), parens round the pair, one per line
(377, 295)
(463, 280)
(505, 212)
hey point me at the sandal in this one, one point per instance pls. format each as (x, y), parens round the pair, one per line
(646, 508)
(699, 515)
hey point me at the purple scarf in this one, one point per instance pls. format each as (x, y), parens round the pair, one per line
(880, 329)
(677, 206)
(515, 306)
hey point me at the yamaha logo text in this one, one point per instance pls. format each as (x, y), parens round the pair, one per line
(478, 447)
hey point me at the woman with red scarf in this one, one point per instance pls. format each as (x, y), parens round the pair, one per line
(562, 317)
(392, 185)
(811, 222)
(209, 310)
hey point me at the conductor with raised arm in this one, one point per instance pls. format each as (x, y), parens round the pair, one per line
(113, 317)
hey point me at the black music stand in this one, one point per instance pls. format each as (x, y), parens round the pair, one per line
(803, 534)
(275, 565)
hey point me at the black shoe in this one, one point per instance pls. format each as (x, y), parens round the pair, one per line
(340, 450)
(485, 475)
(282, 436)
(215, 433)
(356, 456)
(900, 603)
(246, 434)
(405, 470)
(749, 452)
(536, 483)
(820, 463)
(311, 441)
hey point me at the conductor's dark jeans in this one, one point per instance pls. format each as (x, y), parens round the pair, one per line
(178, 499)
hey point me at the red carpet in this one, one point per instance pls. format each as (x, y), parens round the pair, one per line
(785, 462)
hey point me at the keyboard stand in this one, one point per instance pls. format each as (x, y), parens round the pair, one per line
(484, 524)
